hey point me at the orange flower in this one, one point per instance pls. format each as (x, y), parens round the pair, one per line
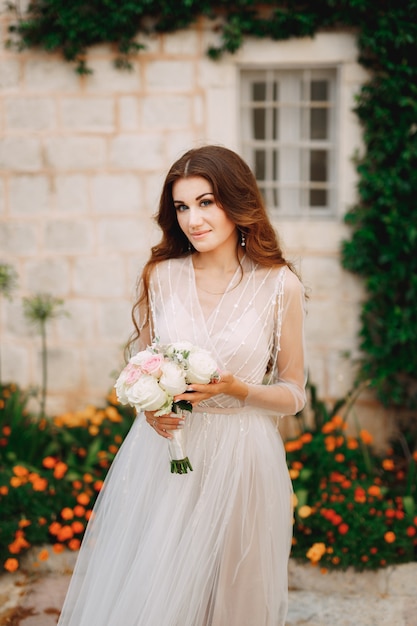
(339, 458)
(343, 529)
(305, 511)
(77, 527)
(60, 470)
(113, 449)
(293, 446)
(293, 474)
(316, 552)
(366, 437)
(58, 548)
(16, 482)
(77, 484)
(388, 464)
(4, 490)
(98, 485)
(83, 499)
(40, 484)
(118, 439)
(79, 510)
(88, 478)
(360, 495)
(20, 471)
(54, 528)
(411, 531)
(74, 544)
(18, 544)
(67, 513)
(374, 490)
(43, 555)
(352, 443)
(327, 428)
(7, 431)
(297, 465)
(389, 537)
(65, 533)
(11, 565)
(330, 443)
(24, 522)
(42, 521)
(49, 462)
(339, 422)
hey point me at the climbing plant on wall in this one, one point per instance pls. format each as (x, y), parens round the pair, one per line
(382, 248)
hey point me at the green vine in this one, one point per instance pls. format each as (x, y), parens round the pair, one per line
(383, 244)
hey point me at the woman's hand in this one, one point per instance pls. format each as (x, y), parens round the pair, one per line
(164, 423)
(228, 384)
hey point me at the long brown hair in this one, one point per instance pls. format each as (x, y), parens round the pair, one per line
(235, 190)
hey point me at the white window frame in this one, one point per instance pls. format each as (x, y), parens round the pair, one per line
(290, 182)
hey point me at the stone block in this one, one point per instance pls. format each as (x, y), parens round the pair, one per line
(116, 193)
(15, 321)
(79, 324)
(179, 142)
(20, 154)
(106, 78)
(75, 153)
(51, 275)
(168, 112)
(114, 321)
(182, 42)
(128, 109)
(45, 74)
(101, 276)
(2, 197)
(95, 114)
(71, 193)
(15, 364)
(103, 365)
(31, 114)
(325, 278)
(143, 152)
(64, 371)
(9, 74)
(18, 239)
(122, 235)
(68, 236)
(171, 76)
(331, 325)
(29, 194)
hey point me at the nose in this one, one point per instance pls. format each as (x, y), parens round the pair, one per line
(195, 217)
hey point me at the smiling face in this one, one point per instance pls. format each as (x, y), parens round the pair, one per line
(204, 223)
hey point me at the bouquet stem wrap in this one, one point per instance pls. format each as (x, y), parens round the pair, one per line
(180, 463)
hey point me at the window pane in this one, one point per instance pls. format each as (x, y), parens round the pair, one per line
(318, 165)
(258, 117)
(319, 90)
(260, 164)
(259, 92)
(318, 197)
(318, 123)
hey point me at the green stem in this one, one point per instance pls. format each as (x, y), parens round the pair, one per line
(44, 369)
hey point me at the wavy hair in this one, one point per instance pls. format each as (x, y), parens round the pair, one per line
(235, 190)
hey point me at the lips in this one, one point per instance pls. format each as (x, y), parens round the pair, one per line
(200, 234)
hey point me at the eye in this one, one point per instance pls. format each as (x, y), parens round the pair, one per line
(181, 207)
(206, 202)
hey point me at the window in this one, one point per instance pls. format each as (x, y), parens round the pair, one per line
(288, 138)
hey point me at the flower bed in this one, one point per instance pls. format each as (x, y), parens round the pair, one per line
(353, 508)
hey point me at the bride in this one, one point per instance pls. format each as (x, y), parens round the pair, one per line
(210, 547)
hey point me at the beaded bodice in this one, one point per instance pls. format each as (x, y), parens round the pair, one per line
(243, 330)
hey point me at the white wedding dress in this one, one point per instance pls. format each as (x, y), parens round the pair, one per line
(210, 547)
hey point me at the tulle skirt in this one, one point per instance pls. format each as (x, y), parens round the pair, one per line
(207, 548)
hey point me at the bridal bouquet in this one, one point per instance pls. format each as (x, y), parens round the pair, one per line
(154, 376)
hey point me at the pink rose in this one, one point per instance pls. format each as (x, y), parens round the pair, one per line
(152, 365)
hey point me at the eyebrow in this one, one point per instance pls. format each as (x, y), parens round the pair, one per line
(206, 193)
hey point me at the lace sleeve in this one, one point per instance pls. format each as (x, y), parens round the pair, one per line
(286, 395)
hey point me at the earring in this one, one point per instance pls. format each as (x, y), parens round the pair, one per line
(189, 247)
(242, 239)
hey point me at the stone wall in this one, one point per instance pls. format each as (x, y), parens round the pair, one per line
(82, 160)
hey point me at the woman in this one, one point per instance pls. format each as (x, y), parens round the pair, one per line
(211, 547)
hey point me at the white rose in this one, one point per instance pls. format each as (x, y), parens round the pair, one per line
(201, 367)
(122, 387)
(145, 394)
(140, 357)
(173, 379)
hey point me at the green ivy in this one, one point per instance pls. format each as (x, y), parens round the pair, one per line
(383, 245)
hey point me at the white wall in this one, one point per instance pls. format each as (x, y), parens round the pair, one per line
(82, 160)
